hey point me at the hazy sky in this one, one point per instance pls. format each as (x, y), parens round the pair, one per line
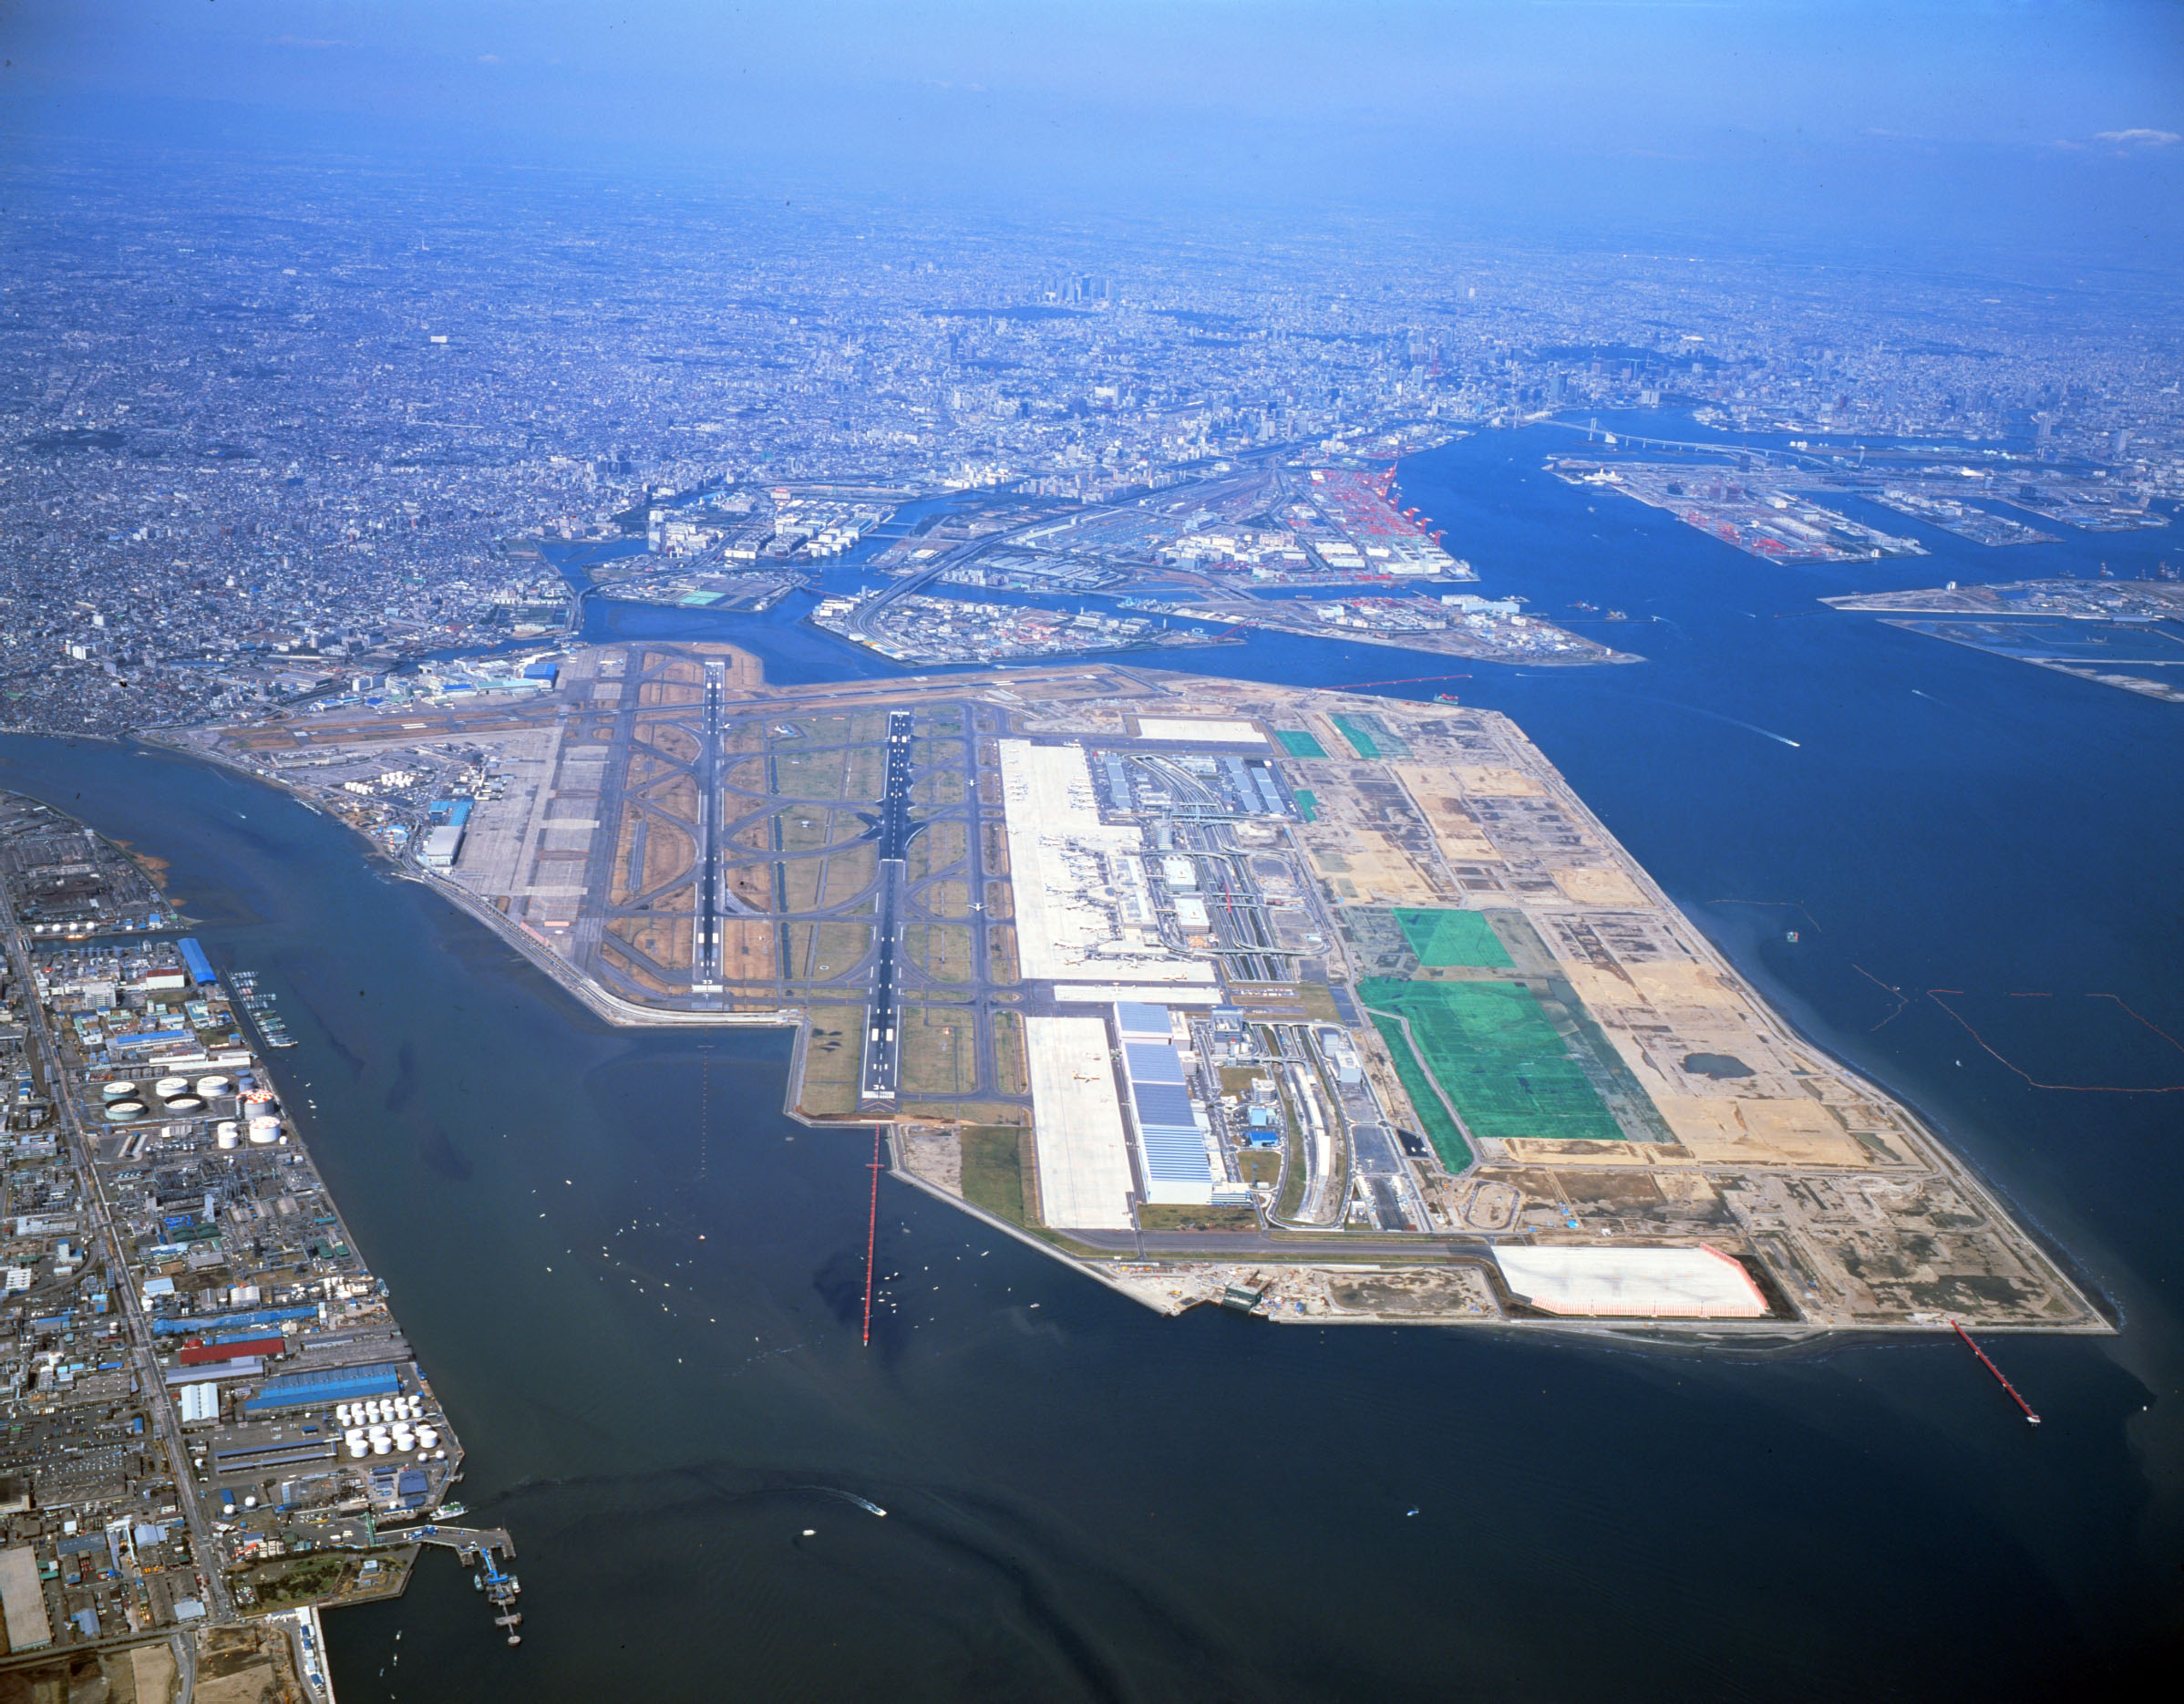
(1820, 121)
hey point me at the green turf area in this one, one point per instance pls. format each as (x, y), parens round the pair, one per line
(1300, 743)
(1492, 1047)
(1440, 1128)
(1309, 804)
(1442, 938)
(1358, 736)
(994, 1169)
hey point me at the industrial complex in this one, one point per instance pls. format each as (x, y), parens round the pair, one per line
(214, 1415)
(1324, 1006)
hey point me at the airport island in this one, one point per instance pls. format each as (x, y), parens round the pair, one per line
(1319, 1005)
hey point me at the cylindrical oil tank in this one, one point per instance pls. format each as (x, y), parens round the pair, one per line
(358, 1447)
(340, 1413)
(121, 1111)
(210, 1086)
(227, 1133)
(428, 1437)
(121, 1091)
(380, 1446)
(184, 1103)
(264, 1131)
(167, 1086)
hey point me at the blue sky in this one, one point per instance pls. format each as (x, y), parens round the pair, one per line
(1980, 121)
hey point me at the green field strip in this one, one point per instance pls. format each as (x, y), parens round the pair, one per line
(1500, 1060)
(1360, 736)
(1300, 742)
(1309, 804)
(1440, 1128)
(1444, 938)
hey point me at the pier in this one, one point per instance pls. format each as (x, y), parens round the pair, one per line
(481, 1548)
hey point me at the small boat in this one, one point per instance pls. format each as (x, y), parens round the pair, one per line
(1446, 698)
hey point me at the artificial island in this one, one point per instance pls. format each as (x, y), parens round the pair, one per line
(1322, 1005)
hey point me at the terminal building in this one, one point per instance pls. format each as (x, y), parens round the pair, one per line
(1170, 1126)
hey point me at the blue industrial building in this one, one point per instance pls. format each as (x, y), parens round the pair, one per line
(323, 1389)
(193, 956)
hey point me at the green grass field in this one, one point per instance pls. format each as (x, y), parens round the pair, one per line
(1309, 804)
(994, 1169)
(1443, 938)
(1300, 742)
(1440, 1130)
(1504, 1067)
(1358, 736)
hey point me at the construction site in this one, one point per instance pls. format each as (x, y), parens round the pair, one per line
(1319, 1005)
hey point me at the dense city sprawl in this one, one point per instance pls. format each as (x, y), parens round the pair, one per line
(269, 434)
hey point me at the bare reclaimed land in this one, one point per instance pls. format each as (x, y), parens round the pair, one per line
(2125, 634)
(1328, 1007)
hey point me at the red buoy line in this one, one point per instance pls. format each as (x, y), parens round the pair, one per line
(871, 1241)
(2031, 1417)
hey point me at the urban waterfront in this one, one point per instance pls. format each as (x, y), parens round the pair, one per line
(636, 1284)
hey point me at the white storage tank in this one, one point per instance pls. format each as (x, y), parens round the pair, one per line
(167, 1086)
(212, 1085)
(227, 1133)
(340, 1413)
(428, 1437)
(380, 1446)
(121, 1111)
(358, 1447)
(117, 1091)
(184, 1103)
(264, 1131)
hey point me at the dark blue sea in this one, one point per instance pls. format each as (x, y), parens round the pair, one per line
(636, 1285)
